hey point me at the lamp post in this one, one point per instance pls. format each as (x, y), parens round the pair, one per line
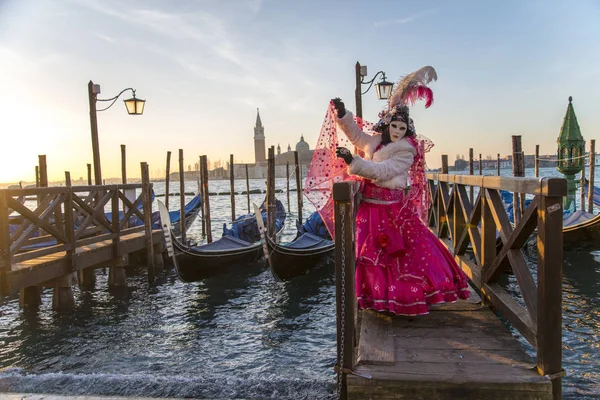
(383, 87)
(134, 106)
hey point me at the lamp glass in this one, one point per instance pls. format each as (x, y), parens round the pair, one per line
(384, 89)
(135, 106)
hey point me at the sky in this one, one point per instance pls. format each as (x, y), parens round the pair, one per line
(204, 67)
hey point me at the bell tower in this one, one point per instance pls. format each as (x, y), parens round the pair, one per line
(259, 141)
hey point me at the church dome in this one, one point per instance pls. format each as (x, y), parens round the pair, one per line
(302, 145)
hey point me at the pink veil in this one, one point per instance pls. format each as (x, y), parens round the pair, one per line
(326, 169)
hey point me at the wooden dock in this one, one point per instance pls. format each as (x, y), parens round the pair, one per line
(73, 230)
(458, 351)
(462, 350)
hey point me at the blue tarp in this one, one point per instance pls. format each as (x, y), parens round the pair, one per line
(134, 220)
(314, 225)
(245, 227)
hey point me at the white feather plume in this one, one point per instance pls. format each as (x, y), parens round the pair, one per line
(407, 84)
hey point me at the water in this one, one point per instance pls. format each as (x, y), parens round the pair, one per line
(242, 336)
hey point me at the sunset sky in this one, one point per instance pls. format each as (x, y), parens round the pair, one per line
(504, 67)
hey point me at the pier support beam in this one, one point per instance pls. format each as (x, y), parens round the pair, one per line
(30, 297)
(116, 273)
(159, 263)
(87, 278)
(62, 296)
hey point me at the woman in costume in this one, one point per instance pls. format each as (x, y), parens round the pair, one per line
(401, 267)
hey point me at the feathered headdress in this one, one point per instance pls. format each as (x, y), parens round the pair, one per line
(408, 90)
(413, 87)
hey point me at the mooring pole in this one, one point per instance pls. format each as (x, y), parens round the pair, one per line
(592, 176)
(232, 185)
(167, 179)
(298, 186)
(248, 189)
(147, 207)
(204, 161)
(181, 196)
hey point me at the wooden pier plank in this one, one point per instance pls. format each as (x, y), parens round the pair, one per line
(459, 350)
(42, 269)
(377, 348)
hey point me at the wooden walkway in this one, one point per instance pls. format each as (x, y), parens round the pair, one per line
(459, 350)
(463, 350)
(74, 230)
(42, 269)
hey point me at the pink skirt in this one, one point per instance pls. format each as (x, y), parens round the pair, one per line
(402, 267)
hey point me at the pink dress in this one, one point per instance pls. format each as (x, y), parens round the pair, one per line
(401, 266)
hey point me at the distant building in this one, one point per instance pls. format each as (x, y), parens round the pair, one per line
(259, 168)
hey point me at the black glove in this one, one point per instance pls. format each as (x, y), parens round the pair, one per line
(339, 107)
(344, 153)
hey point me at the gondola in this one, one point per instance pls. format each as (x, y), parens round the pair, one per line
(191, 211)
(580, 229)
(234, 249)
(312, 247)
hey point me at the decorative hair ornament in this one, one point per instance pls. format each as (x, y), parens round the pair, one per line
(413, 87)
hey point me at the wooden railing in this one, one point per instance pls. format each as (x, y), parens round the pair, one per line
(480, 227)
(66, 218)
(483, 225)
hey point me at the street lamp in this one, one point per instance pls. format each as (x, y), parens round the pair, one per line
(383, 87)
(133, 105)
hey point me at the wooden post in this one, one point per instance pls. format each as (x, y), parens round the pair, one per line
(123, 164)
(536, 161)
(4, 242)
(518, 171)
(480, 165)
(37, 176)
(498, 164)
(43, 171)
(167, 179)
(147, 206)
(248, 189)
(550, 262)
(345, 256)
(444, 163)
(471, 191)
(89, 174)
(202, 187)
(583, 199)
(271, 206)
(94, 127)
(62, 294)
(181, 196)
(116, 273)
(205, 201)
(592, 176)
(69, 226)
(232, 185)
(299, 183)
(358, 91)
(287, 182)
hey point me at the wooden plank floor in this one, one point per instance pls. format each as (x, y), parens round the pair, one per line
(44, 268)
(458, 351)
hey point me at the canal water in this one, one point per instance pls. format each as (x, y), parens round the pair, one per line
(241, 336)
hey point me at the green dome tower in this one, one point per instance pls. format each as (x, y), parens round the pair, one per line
(571, 152)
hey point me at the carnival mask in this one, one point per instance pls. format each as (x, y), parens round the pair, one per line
(397, 130)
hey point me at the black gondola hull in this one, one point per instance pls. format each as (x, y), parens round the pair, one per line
(287, 263)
